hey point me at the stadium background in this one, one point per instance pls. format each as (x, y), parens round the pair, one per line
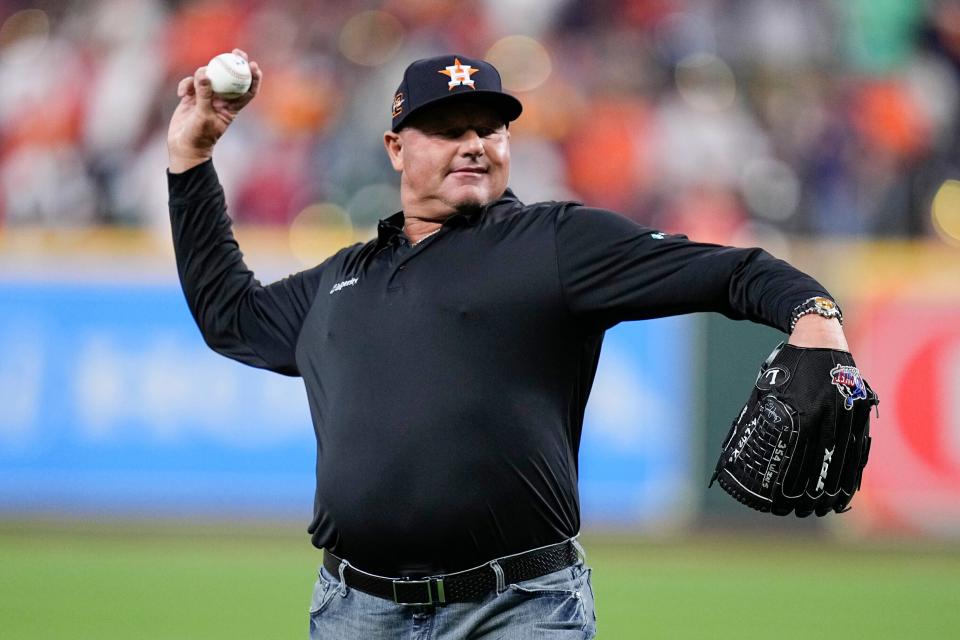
(151, 489)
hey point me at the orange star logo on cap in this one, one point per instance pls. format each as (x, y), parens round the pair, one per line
(397, 104)
(459, 74)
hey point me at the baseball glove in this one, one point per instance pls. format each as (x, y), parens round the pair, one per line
(801, 442)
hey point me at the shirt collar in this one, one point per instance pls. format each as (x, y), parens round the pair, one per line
(392, 226)
(389, 228)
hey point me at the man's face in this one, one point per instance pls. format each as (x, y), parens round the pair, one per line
(451, 157)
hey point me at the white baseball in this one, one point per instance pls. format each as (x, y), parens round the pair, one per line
(229, 75)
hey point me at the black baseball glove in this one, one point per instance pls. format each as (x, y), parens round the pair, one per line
(801, 442)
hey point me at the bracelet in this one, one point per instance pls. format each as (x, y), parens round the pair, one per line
(819, 305)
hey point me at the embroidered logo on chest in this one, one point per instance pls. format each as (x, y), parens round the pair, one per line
(344, 284)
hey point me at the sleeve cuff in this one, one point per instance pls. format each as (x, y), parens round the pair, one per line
(197, 182)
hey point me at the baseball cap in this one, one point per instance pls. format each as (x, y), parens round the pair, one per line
(451, 77)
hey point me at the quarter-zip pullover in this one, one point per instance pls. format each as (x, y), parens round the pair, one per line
(447, 381)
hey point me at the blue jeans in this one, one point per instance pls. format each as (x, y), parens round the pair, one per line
(557, 606)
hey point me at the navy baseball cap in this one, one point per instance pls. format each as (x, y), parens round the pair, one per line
(451, 77)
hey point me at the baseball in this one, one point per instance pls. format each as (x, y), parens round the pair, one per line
(229, 75)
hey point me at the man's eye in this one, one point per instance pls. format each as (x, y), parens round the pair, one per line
(454, 134)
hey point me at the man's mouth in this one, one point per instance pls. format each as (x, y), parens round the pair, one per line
(475, 170)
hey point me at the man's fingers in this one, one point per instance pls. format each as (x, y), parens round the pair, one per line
(203, 88)
(254, 71)
(185, 87)
(257, 78)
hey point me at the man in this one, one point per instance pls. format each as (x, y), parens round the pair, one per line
(448, 361)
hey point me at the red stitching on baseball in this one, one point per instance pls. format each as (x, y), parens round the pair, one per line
(231, 71)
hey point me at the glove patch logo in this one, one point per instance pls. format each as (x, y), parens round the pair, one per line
(849, 383)
(772, 377)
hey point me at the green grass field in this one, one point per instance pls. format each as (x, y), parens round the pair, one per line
(195, 583)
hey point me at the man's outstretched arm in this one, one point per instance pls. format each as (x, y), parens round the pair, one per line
(237, 316)
(612, 269)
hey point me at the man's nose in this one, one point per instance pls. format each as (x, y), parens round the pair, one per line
(471, 144)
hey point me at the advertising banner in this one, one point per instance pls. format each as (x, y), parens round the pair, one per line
(912, 354)
(110, 403)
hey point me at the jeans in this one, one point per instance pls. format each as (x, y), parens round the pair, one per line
(557, 606)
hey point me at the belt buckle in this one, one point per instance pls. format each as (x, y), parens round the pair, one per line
(426, 583)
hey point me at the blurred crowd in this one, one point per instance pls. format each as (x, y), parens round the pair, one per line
(728, 120)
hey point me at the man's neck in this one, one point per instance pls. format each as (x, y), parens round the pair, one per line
(416, 229)
(421, 219)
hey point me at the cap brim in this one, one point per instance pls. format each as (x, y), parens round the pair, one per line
(506, 105)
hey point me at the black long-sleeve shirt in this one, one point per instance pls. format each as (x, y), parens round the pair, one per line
(447, 381)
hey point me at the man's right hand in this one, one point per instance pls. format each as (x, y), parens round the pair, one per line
(202, 117)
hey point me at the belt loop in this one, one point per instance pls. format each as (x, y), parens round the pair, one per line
(343, 581)
(501, 583)
(579, 547)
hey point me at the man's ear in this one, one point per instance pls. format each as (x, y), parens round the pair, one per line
(394, 146)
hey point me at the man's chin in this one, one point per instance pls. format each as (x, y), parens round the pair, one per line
(471, 200)
(468, 204)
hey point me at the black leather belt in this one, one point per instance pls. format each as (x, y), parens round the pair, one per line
(472, 584)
